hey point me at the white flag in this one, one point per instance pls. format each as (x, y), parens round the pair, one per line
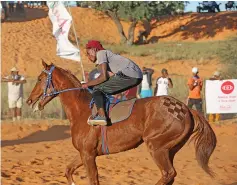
(61, 21)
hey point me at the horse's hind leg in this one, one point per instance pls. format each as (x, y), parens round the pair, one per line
(76, 163)
(165, 163)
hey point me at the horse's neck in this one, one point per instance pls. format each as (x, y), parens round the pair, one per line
(75, 102)
(76, 105)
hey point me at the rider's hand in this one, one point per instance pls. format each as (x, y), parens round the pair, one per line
(110, 74)
(84, 86)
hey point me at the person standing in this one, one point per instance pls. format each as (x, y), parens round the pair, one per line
(11, 7)
(4, 6)
(215, 117)
(145, 88)
(163, 83)
(15, 92)
(195, 84)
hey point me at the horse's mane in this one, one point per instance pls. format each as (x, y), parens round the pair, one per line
(71, 77)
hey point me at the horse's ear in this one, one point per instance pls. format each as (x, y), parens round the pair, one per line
(44, 64)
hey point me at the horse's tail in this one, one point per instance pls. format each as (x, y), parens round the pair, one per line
(204, 141)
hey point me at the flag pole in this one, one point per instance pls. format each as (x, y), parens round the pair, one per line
(75, 34)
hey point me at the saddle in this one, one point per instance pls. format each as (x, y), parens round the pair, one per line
(116, 110)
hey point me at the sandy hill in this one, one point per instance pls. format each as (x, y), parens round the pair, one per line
(26, 41)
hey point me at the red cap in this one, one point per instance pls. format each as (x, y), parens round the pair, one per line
(94, 44)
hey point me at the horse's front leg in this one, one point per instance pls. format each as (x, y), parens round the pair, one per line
(89, 162)
(76, 163)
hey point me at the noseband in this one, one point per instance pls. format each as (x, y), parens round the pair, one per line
(49, 82)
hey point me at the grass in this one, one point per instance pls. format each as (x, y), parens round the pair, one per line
(224, 51)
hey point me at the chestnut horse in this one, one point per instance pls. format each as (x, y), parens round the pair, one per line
(163, 123)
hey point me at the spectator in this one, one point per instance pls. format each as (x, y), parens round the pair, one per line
(30, 4)
(195, 87)
(44, 3)
(163, 83)
(15, 92)
(145, 88)
(215, 117)
(4, 6)
(11, 7)
(20, 8)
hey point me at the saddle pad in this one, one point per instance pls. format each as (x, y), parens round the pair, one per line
(119, 111)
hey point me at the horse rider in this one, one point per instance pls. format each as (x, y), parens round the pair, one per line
(117, 74)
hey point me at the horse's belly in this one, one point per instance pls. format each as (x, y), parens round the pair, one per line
(122, 141)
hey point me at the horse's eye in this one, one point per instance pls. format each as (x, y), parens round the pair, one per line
(39, 80)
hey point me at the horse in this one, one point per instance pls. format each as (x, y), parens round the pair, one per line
(164, 124)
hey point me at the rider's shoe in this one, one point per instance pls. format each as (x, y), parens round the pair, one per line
(98, 120)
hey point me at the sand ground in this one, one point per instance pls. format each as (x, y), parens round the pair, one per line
(37, 152)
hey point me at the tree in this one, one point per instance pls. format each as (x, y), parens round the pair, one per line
(134, 11)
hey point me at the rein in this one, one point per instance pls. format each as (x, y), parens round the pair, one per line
(49, 83)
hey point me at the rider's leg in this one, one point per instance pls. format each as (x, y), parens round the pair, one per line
(114, 85)
(117, 84)
(99, 102)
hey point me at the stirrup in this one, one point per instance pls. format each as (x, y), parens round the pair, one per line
(89, 122)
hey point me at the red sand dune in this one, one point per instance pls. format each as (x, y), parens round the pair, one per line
(25, 43)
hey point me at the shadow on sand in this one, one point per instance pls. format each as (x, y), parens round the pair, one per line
(57, 132)
(199, 26)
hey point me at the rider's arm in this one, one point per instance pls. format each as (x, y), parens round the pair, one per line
(102, 78)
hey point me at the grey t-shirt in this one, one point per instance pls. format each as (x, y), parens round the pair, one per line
(117, 63)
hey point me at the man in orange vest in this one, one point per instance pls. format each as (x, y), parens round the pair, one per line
(195, 84)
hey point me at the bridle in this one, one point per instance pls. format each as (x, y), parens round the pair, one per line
(49, 83)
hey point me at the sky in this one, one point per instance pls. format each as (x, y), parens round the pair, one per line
(193, 5)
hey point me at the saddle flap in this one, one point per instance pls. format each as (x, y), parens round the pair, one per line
(121, 110)
(118, 111)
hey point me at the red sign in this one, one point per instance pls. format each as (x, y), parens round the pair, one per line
(227, 87)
